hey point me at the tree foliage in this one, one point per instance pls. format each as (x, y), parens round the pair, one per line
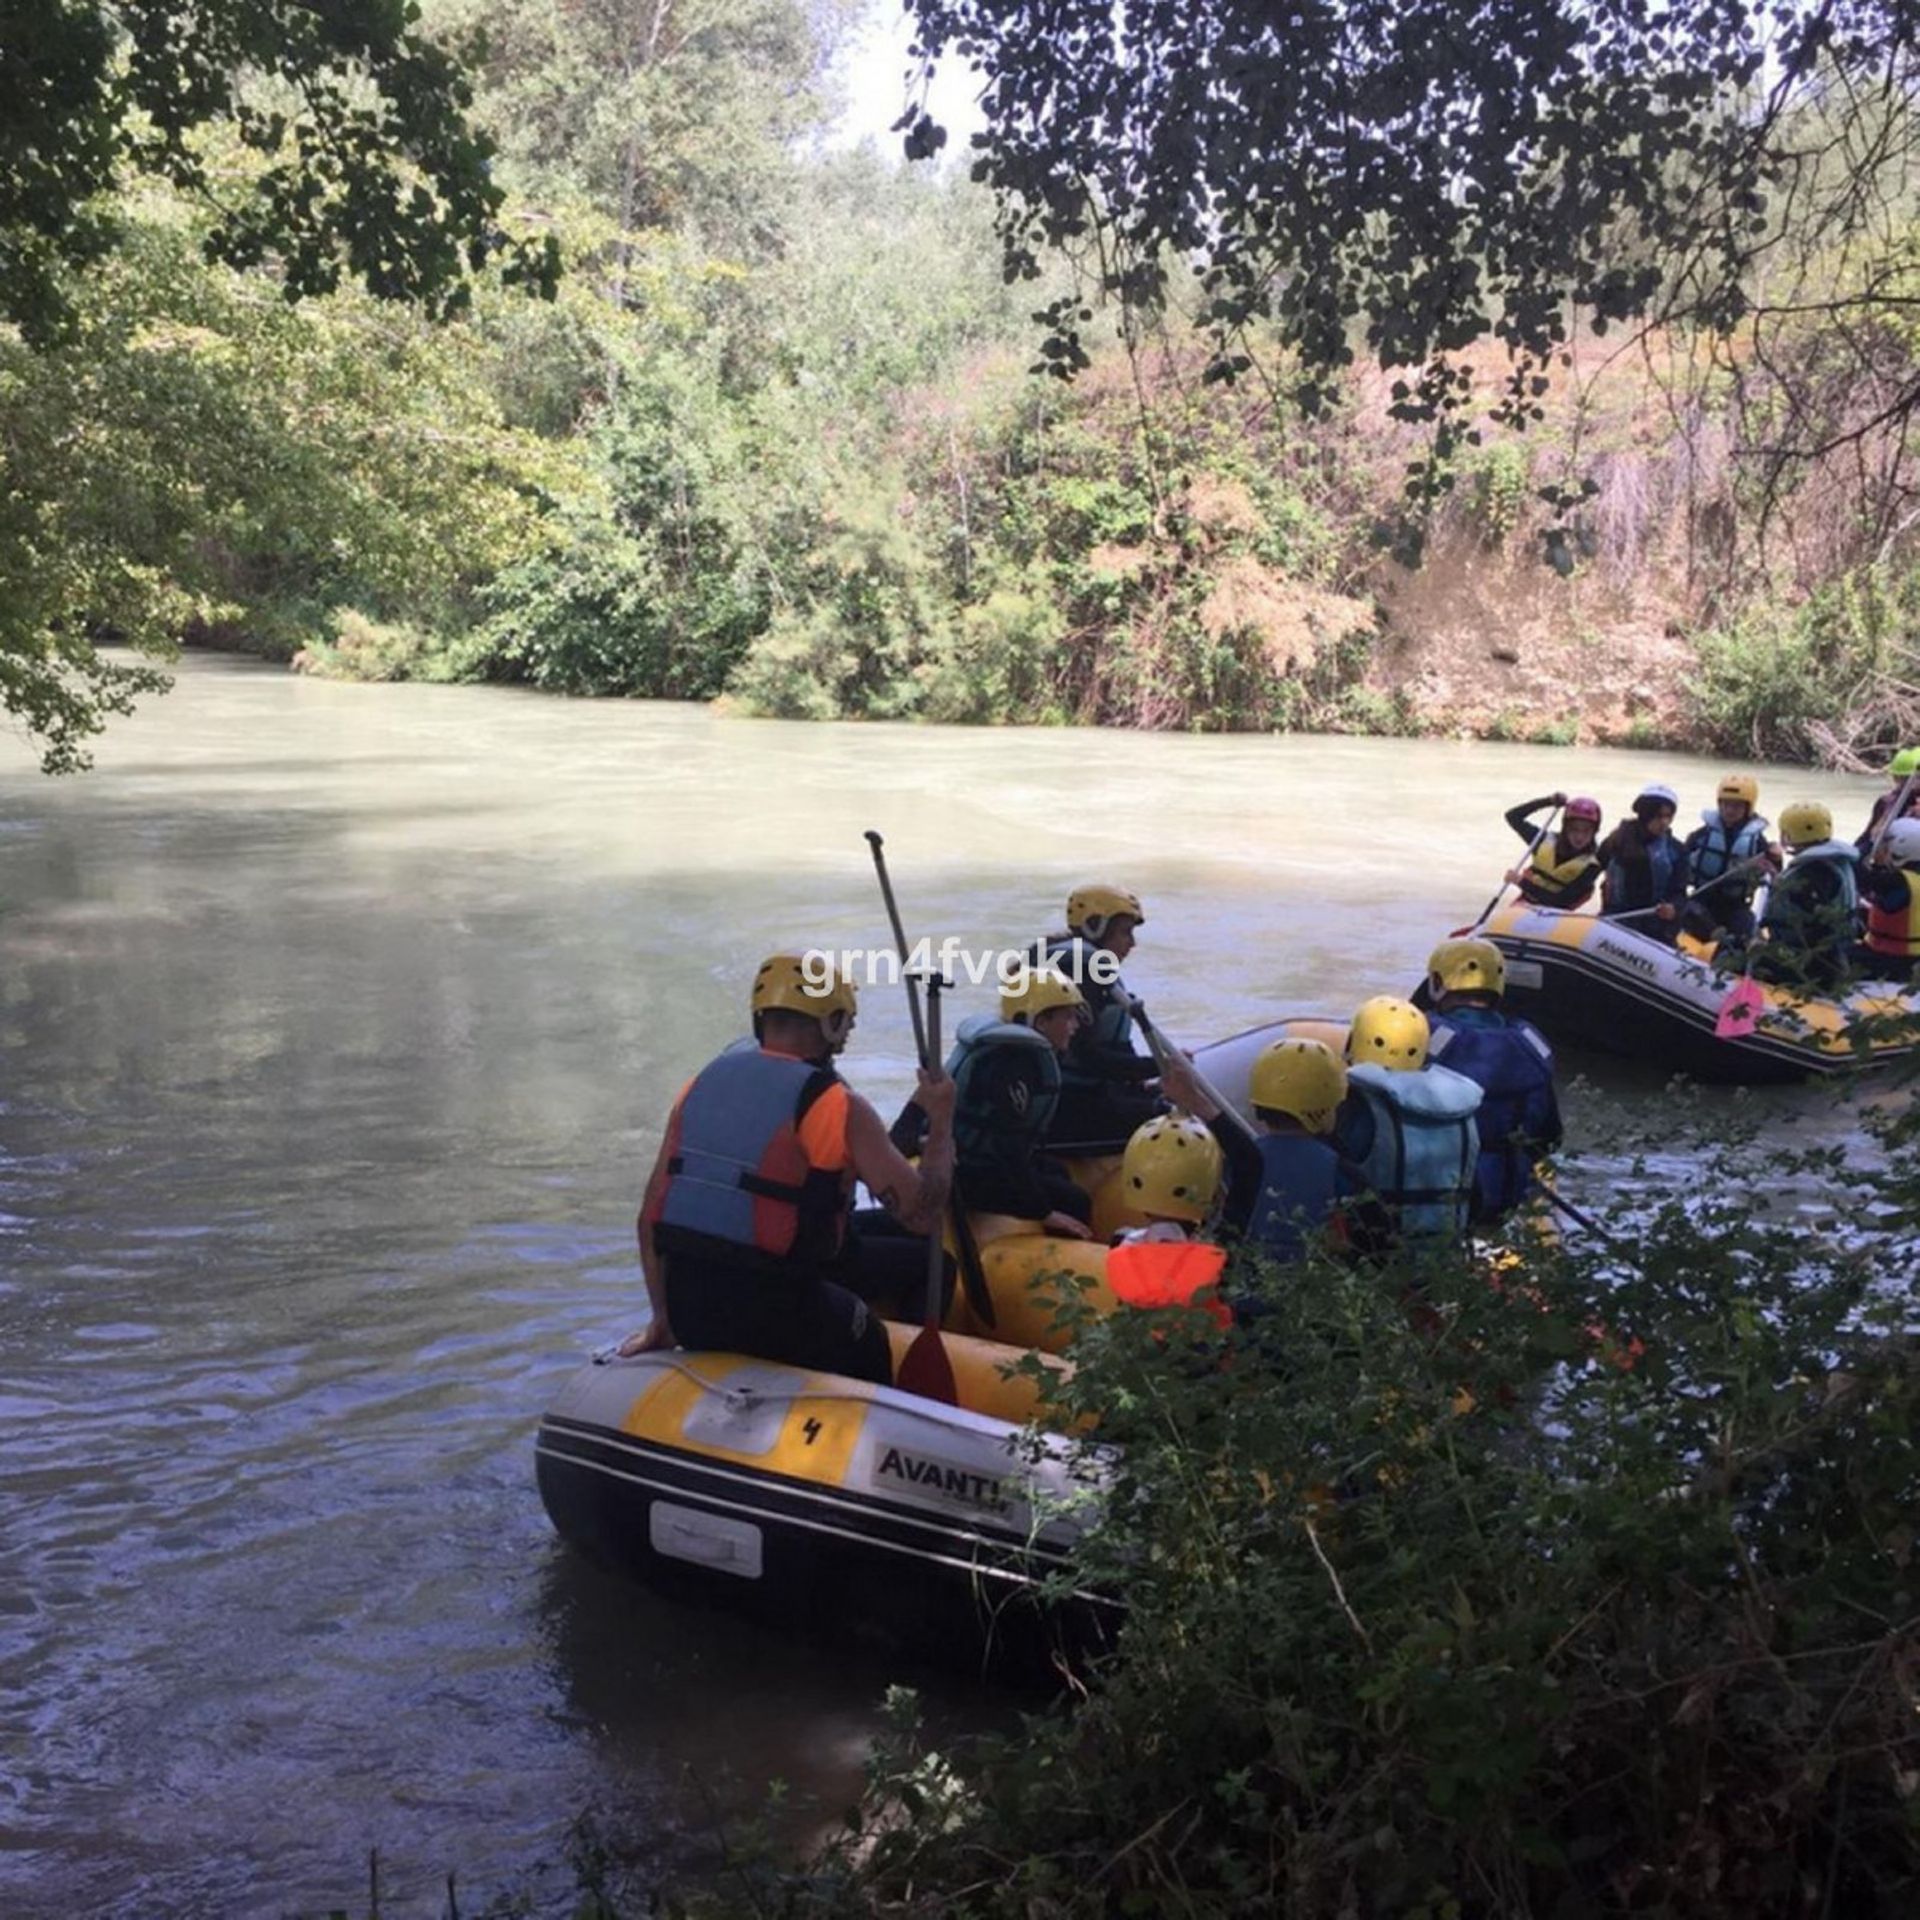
(1424, 176)
(368, 167)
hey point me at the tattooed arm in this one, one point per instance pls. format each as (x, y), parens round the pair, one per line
(915, 1198)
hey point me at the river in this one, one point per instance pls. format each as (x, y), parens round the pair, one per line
(336, 1027)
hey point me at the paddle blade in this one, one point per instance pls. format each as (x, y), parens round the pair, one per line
(926, 1370)
(1740, 1011)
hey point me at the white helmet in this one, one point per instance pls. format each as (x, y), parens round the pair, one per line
(1903, 843)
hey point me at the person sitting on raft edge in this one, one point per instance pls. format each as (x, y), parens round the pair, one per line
(1891, 884)
(1900, 769)
(1807, 932)
(1646, 867)
(1565, 867)
(1283, 1178)
(1408, 1126)
(744, 1233)
(1006, 1077)
(1730, 839)
(1172, 1173)
(1105, 1083)
(1519, 1114)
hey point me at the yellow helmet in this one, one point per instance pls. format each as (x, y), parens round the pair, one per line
(1466, 966)
(1805, 824)
(1036, 991)
(804, 983)
(1304, 1078)
(1739, 786)
(1090, 908)
(1388, 1033)
(1172, 1168)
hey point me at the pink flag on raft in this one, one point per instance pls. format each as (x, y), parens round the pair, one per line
(1740, 1011)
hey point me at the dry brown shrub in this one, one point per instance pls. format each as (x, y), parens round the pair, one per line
(1291, 620)
(1221, 507)
(1112, 561)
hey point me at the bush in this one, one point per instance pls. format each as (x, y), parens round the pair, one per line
(359, 648)
(1588, 1591)
(598, 613)
(1833, 678)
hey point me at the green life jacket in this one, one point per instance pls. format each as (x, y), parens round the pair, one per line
(985, 1131)
(1795, 920)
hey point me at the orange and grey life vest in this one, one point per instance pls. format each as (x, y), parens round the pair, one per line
(1895, 931)
(738, 1179)
(1166, 1273)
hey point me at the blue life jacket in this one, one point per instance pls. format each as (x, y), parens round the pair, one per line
(1663, 855)
(739, 1184)
(1299, 1184)
(1425, 1147)
(985, 1131)
(1713, 851)
(1519, 1116)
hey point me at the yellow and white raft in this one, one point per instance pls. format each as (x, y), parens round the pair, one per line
(813, 1498)
(1596, 983)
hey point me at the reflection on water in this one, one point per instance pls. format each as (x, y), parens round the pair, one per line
(335, 1025)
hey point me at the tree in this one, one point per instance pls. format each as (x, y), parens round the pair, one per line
(1426, 175)
(326, 141)
(366, 164)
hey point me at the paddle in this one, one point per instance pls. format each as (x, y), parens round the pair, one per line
(1499, 892)
(1579, 1216)
(1895, 812)
(1740, 872)
(1163, 1052)
(924, 1367)
(1740, 1011)
(973, 1280)
(899, 942)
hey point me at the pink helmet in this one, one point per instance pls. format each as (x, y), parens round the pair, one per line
(1581, 808)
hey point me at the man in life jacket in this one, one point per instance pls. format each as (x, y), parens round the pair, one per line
(1408, 1126)
(1519, 1114)
(1902, 768)
(1105, 1087)
(1808, 928)
(1171, 1172)
(1646, 867)
(1006, 1078)
(1565, 866)
(1731, 840)
(743, 1232)
(1891, 884)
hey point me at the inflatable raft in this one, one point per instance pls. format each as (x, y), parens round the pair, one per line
(1594, 983)
(811, 1498)
(1227, 1065)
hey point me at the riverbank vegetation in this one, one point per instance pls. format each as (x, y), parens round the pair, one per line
(778, 438)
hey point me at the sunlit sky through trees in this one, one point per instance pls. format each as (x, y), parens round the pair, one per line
(872, 78)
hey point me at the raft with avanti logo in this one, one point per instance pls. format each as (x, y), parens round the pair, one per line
(1588, 982)
(812, 1498)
